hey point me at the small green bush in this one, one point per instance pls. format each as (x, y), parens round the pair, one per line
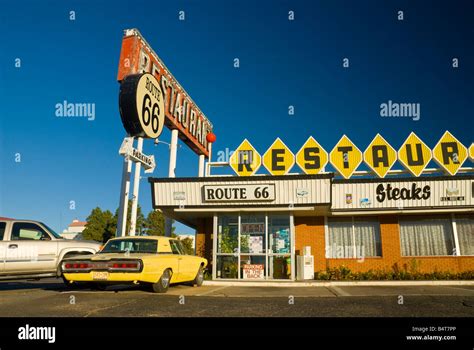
(343, 273)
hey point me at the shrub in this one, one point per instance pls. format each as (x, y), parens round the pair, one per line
(343, 273)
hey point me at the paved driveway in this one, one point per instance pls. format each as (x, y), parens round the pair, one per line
(49, 298)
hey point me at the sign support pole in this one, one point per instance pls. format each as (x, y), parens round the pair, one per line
(136, 186)
(171, 172)
(208, 166)
(124, 191)
(201, 165)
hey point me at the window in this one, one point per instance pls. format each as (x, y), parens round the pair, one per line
(175, 247)
(465, 229)
(426, 235)
(131, 245)
(25, 231)
(2, 230)
(351, 237)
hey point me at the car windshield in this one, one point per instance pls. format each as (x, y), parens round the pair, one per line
(131, 245)
(50, 230)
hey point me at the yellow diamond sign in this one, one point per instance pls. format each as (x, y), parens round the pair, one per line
(311, 157)
(414, 154)
(278, 159)
(380, 156)
(449, 153)
(471, 152)
(245, 160)
(345, 157)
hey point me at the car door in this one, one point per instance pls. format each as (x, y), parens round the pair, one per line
(3, 226)
(30, 249)
(187, 269)
(180, 277)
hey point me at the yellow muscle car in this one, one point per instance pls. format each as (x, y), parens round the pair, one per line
(148, 260)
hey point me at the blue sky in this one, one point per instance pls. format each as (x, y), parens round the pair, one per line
(282, 63)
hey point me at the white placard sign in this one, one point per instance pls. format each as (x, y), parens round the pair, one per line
(238, 193)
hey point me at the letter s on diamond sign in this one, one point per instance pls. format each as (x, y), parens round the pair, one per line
(142, 106)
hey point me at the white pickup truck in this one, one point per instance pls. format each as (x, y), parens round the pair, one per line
(30, 249)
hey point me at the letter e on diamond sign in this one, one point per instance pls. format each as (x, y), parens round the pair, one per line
(278, 159)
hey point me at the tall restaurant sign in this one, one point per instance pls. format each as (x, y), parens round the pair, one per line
(181, 112)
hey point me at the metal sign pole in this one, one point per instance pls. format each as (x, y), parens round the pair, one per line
(171, 172)
(124, 191)
(201, 165)
(136, 186)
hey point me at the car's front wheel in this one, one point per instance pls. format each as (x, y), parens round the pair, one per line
(163, 283)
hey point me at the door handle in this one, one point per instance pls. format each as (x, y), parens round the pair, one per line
(13, 246)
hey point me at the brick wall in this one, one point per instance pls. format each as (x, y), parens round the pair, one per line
(310, 231)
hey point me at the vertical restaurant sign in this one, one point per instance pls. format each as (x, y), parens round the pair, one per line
(181, 112)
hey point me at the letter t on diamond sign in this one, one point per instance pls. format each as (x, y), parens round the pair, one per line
(245, 160)
(345, 157)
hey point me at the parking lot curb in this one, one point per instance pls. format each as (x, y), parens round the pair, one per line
(337, 283)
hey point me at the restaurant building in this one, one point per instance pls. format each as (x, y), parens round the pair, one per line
(255, 226)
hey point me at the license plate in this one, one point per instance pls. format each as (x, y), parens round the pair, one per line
(100, 275)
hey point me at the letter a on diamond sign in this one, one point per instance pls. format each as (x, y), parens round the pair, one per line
(380, 156)
(345, 157)
(245, 160)
(414, 154)
(449, 153)
(278, 159)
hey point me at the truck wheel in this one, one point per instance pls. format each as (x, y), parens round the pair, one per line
(163, 284)
(199, 279)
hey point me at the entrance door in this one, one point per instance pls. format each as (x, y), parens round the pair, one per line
(253, 247)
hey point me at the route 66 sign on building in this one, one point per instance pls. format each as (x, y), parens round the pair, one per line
(142, 107)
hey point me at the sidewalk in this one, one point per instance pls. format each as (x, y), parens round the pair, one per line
(336, 283)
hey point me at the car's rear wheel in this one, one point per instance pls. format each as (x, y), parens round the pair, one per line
(68, 284)
(199, 279)
(163, 283)
(99, 286)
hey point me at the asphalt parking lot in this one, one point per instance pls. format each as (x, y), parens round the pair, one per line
(49, 298)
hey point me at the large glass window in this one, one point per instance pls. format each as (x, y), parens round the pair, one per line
(465, 229)
(367, 237)
(228, 234)
(351, 237)
(426, 235)
(227, 267)
(279, 238)
(252, 234)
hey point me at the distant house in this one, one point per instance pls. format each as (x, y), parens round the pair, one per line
(74, 230)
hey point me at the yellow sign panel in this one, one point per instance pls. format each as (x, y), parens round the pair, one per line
(449, 153)
(245, 160)
(380, 156)
(414, 154)
(345, 157)
(471, 152)
(278, 159)
(311, 157)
